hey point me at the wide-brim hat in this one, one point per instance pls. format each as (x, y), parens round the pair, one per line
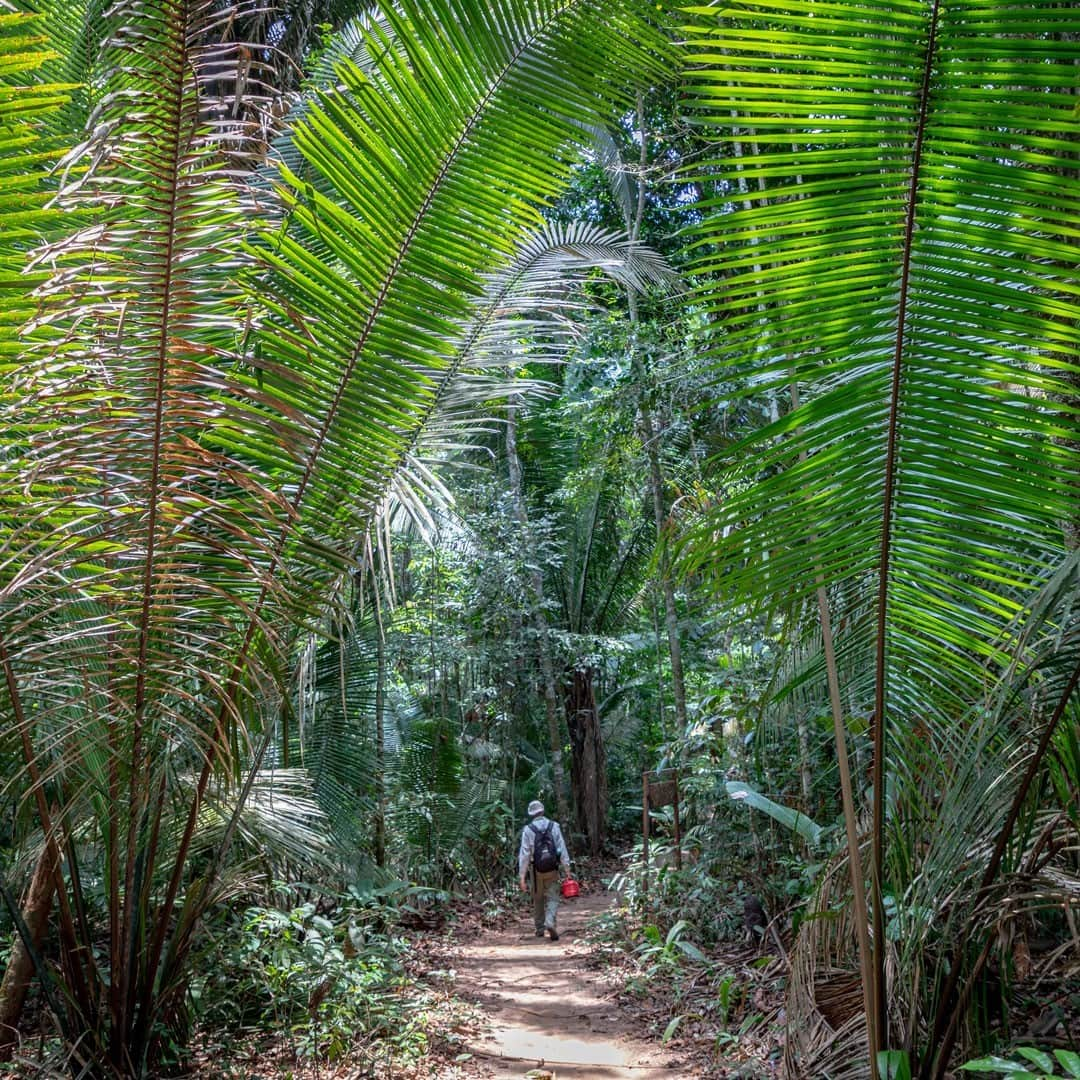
(535, 807)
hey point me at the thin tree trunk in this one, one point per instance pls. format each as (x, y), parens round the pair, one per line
(652, 453)
(806, 769)
(20, 967)
(380, 737)
(667, 584)
(867, 969)
(539, 619)
(661, 712)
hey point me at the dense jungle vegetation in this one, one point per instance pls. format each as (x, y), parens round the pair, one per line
(412, 409)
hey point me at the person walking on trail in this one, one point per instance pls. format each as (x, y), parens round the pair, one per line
(543, 852)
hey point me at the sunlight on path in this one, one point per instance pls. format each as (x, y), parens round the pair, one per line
(546, 1009)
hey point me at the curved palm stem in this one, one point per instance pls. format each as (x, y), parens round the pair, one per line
(879, 1019)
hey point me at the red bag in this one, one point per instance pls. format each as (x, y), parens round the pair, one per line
(570, 888)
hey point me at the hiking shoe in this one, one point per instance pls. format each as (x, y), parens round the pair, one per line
(539, 933)
(553, 933)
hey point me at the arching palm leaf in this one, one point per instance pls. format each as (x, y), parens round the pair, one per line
(528, 315)
(202, 464)
(909, 263)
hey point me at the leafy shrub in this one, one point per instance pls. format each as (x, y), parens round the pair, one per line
(325, 983)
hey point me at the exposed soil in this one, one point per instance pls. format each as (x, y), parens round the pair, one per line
(547, 1010)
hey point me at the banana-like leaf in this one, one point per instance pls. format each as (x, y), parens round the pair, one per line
(790, 818)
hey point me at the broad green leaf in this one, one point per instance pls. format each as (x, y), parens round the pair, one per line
(894, 1065)
(672, 1027)
(1001, 1065)
(676, 929)
(692, 951)
(806, 828)
(1069, 1061)
(1037, 1057)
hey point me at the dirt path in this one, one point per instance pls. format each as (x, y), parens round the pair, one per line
(546, 1007)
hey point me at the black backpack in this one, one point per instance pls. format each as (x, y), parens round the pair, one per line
(545, 855)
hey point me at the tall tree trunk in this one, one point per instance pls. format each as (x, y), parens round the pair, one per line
(649, 436)
(588, 764)
(539, 619)
(656, 490)
(20, 968)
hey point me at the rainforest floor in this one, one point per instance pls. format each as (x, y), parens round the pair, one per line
(498, 1002)
(587, 1007)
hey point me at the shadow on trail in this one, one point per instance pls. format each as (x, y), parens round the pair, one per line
(545, 1008)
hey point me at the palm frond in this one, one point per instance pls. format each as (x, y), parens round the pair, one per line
(27, 104)
(150, 537)
(210, 425)
(364, 267)
(904, 259)
(337, 746)
(281, 817)
(530, 314)
(982, 332)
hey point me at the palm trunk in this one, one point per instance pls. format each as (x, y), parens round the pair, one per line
(539, 620)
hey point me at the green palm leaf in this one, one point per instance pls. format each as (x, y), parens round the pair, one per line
(376, 282)
(203, 457)
(152, 516)
(27, 106)
(529, 314)
(902, 252)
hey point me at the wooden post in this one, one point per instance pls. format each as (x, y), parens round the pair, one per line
(678, 833)
(644, 834)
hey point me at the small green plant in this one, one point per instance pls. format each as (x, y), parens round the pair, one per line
(664, 952)
(893, 1065)
(727, 992)
(731, 1038)
(1044, 1064)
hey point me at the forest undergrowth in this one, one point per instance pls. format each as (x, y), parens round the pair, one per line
(718, 1005)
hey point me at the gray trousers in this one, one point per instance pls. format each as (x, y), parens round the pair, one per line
(545, 893)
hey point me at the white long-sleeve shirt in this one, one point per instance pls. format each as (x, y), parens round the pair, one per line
(528, 842)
